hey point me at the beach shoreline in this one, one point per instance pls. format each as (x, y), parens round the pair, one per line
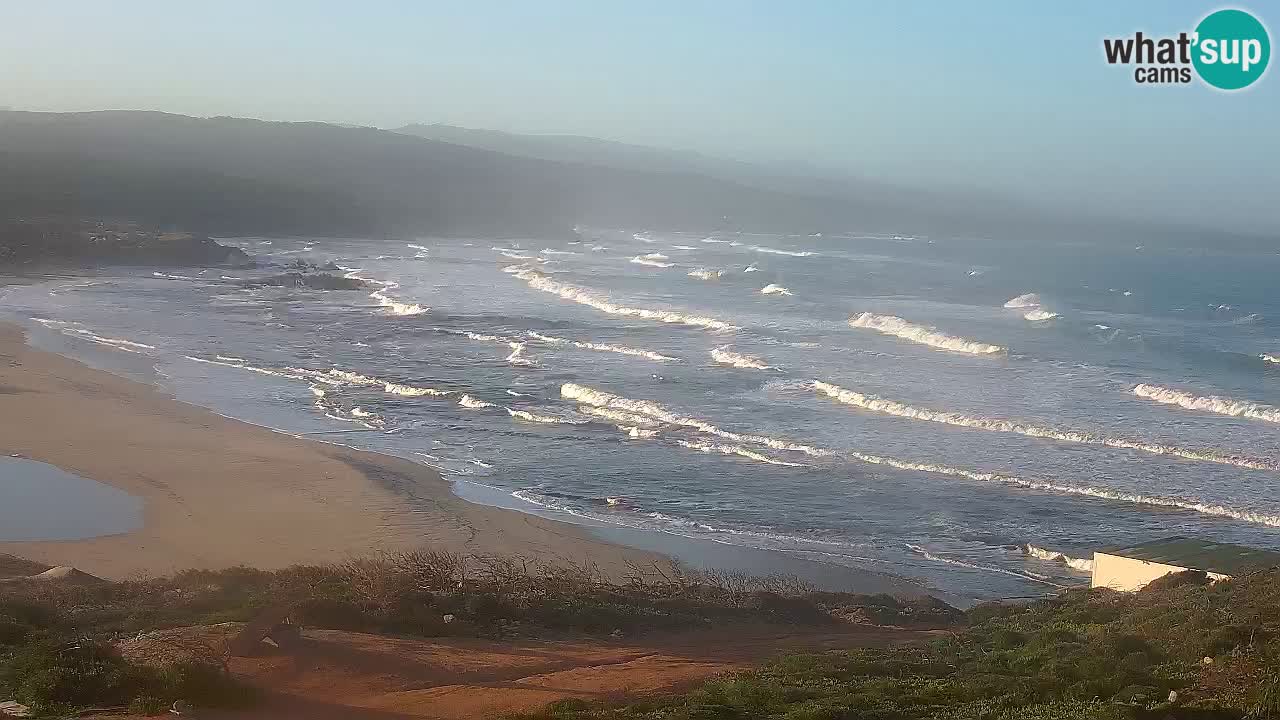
(219, 492)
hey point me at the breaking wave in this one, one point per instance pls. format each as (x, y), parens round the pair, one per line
(775, 251)
(417, 247)
(751, 268)
(1023, 301)
(896, 326)
(734, 450)
(1268, 357)
(653, 260)
(1040, 315)
(540, 419)
(467, 401)
(704, 274)
(1210, 403)
(602, 347)
(984, 568)
(540, 281)
(1080, 564)
(725, 356)
(392, 305)
(890, 407)
(114, 343)
(514, 255)
(772, 289)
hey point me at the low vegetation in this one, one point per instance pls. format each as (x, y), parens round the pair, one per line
(60, 643)
(1182, 648)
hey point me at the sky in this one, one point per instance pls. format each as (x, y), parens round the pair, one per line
(1012, 98)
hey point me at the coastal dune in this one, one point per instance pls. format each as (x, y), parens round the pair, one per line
(217, 492)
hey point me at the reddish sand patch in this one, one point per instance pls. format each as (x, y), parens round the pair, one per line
(353, 675)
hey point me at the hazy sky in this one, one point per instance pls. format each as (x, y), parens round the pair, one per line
(1011, 97)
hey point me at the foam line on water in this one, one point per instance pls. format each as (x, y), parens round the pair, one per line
(725, 356)
(897, 327)
(874, 403)
(1209, 403)
(602, 347)
(541, 282)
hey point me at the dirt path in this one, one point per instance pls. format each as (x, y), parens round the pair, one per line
(353, 675)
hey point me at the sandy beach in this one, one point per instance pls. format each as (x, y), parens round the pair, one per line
(217, 492)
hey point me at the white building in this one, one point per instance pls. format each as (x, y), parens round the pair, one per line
(1132, 568)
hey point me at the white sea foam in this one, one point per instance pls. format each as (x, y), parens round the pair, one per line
(167, 276)
(1210, 403)
(751, 268)
(418, 247)
(734, 450)
(772, 289)
(704, 274)
(517, 355)
(1080, 564)
(411, 391)
(642, 237)
(549, 251)
(890, 407)
(540, 419)
(540, 281)
(514, 255)
(1023, 301)
(725, 356)
(775, 251)
(1268, 357)
(1040, 315)
(683, 247)
(715, 240)
(653, 260)
(467, 401)
(602, 347)
(654, 411)
(896, 326)
(621, 416)
(922, 552)
(392, 305)
(114, 343)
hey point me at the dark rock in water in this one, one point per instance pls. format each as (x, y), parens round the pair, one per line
(26, 242)
(313, 281)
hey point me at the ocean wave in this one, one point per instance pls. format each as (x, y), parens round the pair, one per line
(772, 289)
(392, 305)
(1040, 315)
(411, 391)
(751, 268)
(621, 416)
(418, 247)
(239, 365)
(602, 347)
(725, 356)
(642, 237)
(704, 274)
(734, 450)
(467, 401)
(652, 260)
(514, 255)
(549, 251)
(897, 409)
(1080, 564)
(922, 552)
(896, 326)
(1023, 301)
(654, 411)
(775, 251)
(389, 387)
(1268, 357)
(715, 240)
(115, 343)
(1209, 403)
(635, 432)
(540, 419)
(167, 276)
(517, 355)
(683, 247)
(539, 281)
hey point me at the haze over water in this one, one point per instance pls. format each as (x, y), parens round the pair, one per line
(922, 406)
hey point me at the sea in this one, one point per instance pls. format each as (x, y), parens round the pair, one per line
(976, 416)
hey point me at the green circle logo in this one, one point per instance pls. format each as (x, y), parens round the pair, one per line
(1231, 49)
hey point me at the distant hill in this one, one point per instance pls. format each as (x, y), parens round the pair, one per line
(227, 175)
